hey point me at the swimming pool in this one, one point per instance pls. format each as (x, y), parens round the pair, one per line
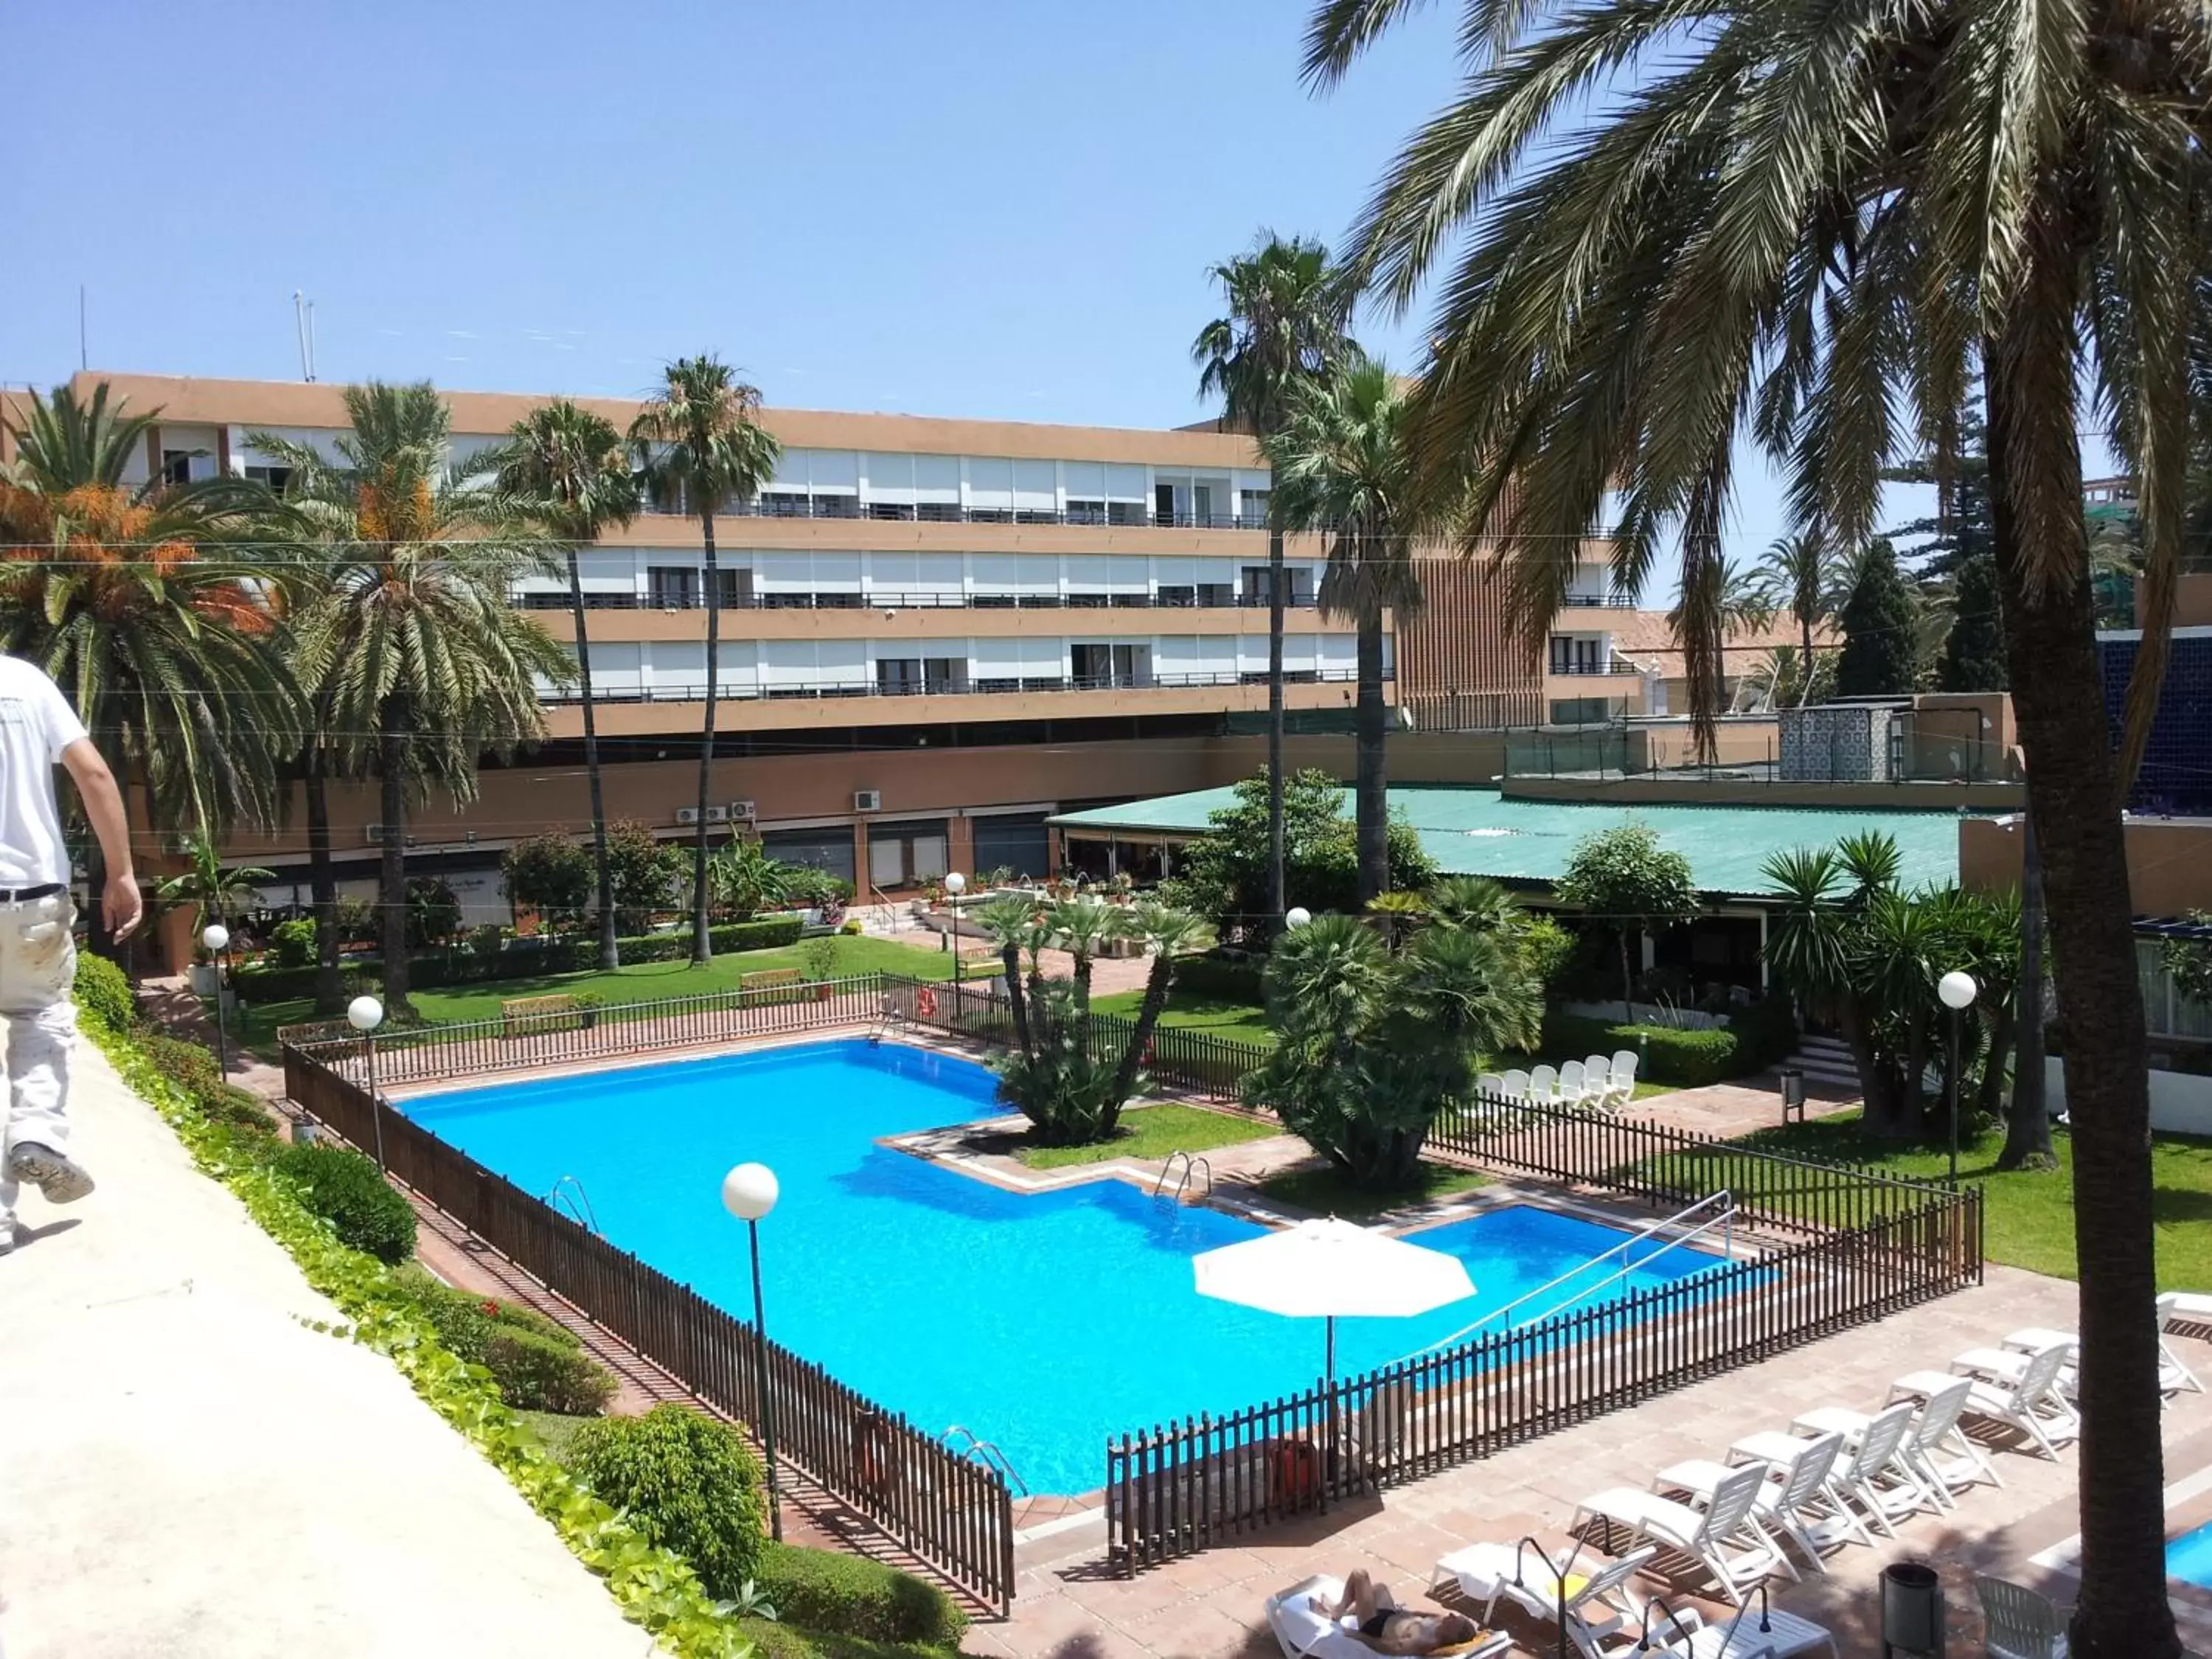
(2189, 1558)
(1041, 1322)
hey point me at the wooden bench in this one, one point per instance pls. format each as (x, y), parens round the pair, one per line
(524, 1015)
(765, 986)
(976, 953)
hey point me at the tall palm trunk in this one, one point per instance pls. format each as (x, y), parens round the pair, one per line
(2027, 1122)
(391, 874)
(1371, 796)
(610, 952)
(323, 882)
(1140, 1038)
(1805, 632)
(1276, 575)
(2075, 793)
(702, 947)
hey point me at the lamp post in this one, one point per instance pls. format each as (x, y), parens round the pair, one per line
(750, 1192)
(365, 1014)
(956, 884)
(217, 937)
(1958, 990)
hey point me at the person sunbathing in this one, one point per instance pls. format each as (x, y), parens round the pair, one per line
(1389, 1628)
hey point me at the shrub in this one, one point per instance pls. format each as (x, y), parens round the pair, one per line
(551, 874)
(292, 944)
(1233, 978)
(239, 1108)
(774, 1640)
(348, 1191)
(193, 1068)
(538, 1373)
(1546, 949)
(689, 1483)
(464, 1321)
(823, 1590)
(103, 991)
(1670, 1055)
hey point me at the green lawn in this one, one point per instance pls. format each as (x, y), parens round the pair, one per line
(1321, 1189)
(642, 983)
(2027, 1216)
(1149, 1131)
(1187, 1011)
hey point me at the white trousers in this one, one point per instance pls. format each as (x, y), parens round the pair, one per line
(38, 973)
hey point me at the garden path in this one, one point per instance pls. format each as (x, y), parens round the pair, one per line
(193, 1471)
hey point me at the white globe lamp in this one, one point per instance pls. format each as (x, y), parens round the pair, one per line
(749, 1191)
(1297, 917)
(1957, 989)
(364, 1013)
(216, 936)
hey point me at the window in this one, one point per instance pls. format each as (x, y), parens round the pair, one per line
(898, 677)
(1201, 504)
(1098, 667)
(1163, 504)
(943, 675)
(184, 466)
(277, 477)
(1216, 593)
(1254, 515)
(783, 503)
(735, 588)
(903, 854)
(1179, 597)
(1086, 511)
(673, 587)
(1571, 655)
(1125, 513)
(1298, 585)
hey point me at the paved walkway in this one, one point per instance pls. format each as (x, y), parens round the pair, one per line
(1069, 1606)
(190, 1472)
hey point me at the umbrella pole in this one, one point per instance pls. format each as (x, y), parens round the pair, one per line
(1335, 1450)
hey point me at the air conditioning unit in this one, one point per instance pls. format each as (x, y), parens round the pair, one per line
(867, 800)
(718, 815)
(741, 811)
(687, 815)
(375, 834)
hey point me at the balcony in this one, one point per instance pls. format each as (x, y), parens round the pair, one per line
(1599, 601)
(1099, 514)
(695, 690)
(1167, 599)
(1575, 668)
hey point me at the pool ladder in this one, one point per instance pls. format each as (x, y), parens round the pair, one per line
(1191, 1165)
(986, 1452)
(568, 1195)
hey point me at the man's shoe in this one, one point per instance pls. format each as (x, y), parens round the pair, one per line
(61, 1180)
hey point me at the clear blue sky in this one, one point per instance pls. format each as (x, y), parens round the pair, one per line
(992, 208)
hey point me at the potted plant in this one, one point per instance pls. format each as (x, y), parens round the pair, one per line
(820, 955)
(587, 1009)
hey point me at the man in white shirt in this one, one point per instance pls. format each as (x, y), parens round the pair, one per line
(37, 954)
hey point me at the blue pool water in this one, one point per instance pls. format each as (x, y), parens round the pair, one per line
(2189, 1558)
(1044, 1323)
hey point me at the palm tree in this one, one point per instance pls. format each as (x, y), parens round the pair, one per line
(1337, 463)
(1286, 324)
(145, 610)
(218, 893)
(404, 633)
(699, 442)
(1803, 231)
(566, 468)
(1167, 932)
(1798, 574)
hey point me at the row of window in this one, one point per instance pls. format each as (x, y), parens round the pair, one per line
(683, 587)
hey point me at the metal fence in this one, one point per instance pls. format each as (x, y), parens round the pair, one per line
(1872, 1245)
(947, 1510)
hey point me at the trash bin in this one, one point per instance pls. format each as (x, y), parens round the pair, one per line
(1793, 1092)
(1911, 1611)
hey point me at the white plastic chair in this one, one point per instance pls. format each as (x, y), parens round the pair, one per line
(1725, 1536)
(2029, 1401)
(1514, 1086)
(1877, 1476)
(1794, 1503)
(1620, 1079)
(1302, 1629)
(1543, 1085)
(2020, 1624)
(1597, 1081)
(1595, 1603)
(1572, 1087)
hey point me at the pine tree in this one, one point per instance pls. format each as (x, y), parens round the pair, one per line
(1974, 651)
(1881, 633)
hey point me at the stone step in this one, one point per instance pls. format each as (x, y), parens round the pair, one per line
(1826, 1069)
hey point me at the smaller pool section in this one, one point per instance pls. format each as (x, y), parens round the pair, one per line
(1042, 1321)
(2189, 1558)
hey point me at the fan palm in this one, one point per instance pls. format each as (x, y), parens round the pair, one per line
(1689, 223)
(1798, 572)
(141, 604)
(1337, 464)
(1286, 324)
(566, 471)
(217, 893)
(403, 633)
(698, 441)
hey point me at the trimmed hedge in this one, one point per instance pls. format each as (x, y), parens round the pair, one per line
(1687, 1059)
(103, 990)
(1232, 978)
(687, 1481)
(537, 1363)
(523, 959)
(348, 1191)
(821, 1590)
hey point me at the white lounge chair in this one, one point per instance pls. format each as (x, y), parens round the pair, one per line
(2019, 1623)
(1874, 1473)
(1543, 1085)
(2174, 1376)
(1935, 1455)
(1572, 1089)
(1794, 1502)
(1302, 1629)
(2029, 1402)
(1514, 1086)
(1596, 1604)
(1723, 1536)
(1620, 1078)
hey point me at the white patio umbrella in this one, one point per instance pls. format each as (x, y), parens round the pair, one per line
(1332, 1270)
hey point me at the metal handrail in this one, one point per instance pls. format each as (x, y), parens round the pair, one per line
(1191, 1164)
(567, 1194)
(986, 1452)
(1725, 1220)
